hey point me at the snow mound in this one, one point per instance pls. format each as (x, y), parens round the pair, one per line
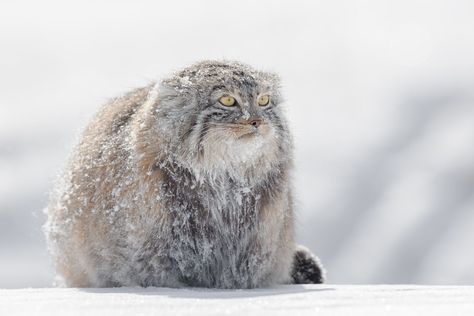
(297, 299)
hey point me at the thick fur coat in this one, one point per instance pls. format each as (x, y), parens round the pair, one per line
(169, 187)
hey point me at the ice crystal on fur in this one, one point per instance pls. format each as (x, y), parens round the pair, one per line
(168, 187)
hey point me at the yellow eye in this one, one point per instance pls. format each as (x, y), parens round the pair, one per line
(263, 100)
(227, 100)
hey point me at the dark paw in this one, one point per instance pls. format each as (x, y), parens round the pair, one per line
(307, 268)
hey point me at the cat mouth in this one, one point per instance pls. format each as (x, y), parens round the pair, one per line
(245, 131)
(241, 131)
(249, 134)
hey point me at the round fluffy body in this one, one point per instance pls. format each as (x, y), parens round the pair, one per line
(169, 187)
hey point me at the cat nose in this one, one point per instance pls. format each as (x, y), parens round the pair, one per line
(255, 122)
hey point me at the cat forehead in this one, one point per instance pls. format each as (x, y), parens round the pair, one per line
(231, 76)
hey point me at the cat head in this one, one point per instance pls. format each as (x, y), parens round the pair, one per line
(219, 117)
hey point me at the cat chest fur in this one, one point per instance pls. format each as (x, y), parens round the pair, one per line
(214, 235)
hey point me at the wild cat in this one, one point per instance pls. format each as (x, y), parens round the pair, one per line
(186, 182)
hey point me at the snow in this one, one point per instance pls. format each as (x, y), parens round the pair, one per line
(297, 300)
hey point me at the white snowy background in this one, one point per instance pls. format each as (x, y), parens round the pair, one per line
(380, 95)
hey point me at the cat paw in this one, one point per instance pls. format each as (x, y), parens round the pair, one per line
(307, 269)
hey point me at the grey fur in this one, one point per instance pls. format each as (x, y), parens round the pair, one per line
(170, 188)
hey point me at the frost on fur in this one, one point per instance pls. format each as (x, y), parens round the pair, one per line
(168, 187)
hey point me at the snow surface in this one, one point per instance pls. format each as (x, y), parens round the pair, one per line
(294, 299)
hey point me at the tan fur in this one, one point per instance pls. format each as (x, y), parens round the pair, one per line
(89, 230)
(108, 223)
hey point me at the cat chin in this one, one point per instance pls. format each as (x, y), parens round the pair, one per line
(238, 158)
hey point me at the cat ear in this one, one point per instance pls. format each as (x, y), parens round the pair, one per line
(168, 89)
(271, 79)
(271, 82)
(173, 96)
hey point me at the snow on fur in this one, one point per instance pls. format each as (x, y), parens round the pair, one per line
(167, 187)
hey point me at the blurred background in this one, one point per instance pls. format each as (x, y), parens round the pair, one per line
(380, 96)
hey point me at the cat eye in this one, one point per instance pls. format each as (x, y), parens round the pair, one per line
(263, 100)
(227, 100)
